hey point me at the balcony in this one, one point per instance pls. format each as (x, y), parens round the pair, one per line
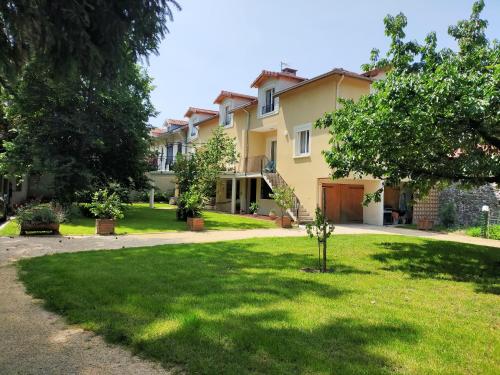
(165, 164)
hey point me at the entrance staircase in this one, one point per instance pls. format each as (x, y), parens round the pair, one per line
(298, 213)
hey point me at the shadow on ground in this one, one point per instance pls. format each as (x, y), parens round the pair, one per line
(444, 260)
(215, 308)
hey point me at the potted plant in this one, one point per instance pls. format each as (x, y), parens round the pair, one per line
(283, 197)
(38, 218)
(106, 208)
(272, 214)
(193, 201)
(254, 208)
(425, 224)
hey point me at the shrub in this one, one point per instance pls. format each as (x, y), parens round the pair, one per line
(36, 213)
(105, 205)
(493, 232)
(448, 215)
(283, 197)
(192, 202)
(254, 207)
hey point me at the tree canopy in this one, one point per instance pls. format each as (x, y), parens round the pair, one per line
(94, 36)
(84, 133)
(434, 118)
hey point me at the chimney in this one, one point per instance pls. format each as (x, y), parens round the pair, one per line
(291, 71)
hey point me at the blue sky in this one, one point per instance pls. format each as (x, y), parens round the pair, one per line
(218, 45)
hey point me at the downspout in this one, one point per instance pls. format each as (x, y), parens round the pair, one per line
(337, 94)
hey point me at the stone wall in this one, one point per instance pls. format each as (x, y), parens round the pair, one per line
(468, 203)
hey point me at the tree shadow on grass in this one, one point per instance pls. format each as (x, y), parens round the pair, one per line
(445, 260)
(217, 308)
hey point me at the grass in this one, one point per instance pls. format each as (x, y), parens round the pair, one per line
(139, 218)
(493, 232)
(393, 305)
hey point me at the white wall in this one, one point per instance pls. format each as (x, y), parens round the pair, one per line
(373, 213)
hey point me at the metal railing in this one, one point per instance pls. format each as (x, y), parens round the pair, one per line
(165, 163)
(267, 108)
(274, 180)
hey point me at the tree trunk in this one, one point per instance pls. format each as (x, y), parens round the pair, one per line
(324, 255)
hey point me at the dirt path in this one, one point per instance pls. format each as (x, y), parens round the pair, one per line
(34, 341)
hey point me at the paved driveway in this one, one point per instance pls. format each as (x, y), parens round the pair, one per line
(34, 341)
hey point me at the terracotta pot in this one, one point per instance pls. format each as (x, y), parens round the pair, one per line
(39, 227)
(195, 224)
(284, 222)
(104, 226)
(272, 216)
(425, 224)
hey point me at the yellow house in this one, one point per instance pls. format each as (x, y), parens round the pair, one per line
(278, 145)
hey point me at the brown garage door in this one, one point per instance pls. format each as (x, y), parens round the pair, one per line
(344, 203)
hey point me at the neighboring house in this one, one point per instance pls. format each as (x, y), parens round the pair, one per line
(278, 145)
(168, 142)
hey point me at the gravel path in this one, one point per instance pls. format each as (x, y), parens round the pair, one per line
(34, 341)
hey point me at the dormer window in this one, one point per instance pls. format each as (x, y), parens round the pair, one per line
(269, 101)
(227, 116)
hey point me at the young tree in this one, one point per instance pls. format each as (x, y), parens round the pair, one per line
(216, 156)
(322, 230)
(201, 170)
(84, 133)
(434, 118)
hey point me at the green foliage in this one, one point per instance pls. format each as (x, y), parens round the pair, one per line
(322, 230)
(493, 232)
(434, 118)
(216, 156)
(448, 215)
(192, 202)
(95, 37)
(186, 169)
(254, 207)
(106, 205)
(283, 197)
(86, 134)
(36, 213)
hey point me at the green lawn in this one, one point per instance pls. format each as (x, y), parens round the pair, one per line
(393, 305)
(139, 218)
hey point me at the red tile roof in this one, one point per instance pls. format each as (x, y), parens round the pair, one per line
(155, 132)
(229, 94)
(266, 74)
(336, 71)
(177, 122)
(193, 110)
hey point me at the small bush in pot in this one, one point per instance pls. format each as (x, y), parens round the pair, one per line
(193, 201)
(38, 217)
(106, 208)
(254, 208)
(272, 214)
(283, 197)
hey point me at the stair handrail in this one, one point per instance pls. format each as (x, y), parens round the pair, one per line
(280, 182)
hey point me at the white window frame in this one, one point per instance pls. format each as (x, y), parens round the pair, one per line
(193, 131)
(262, 99)
(296, 132)
(227, 115)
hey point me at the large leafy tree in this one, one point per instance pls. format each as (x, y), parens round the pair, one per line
(94, 36)
(84, 133)
(434, 118)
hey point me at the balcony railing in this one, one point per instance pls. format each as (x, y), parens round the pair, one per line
(267, 108)
(165, 163)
